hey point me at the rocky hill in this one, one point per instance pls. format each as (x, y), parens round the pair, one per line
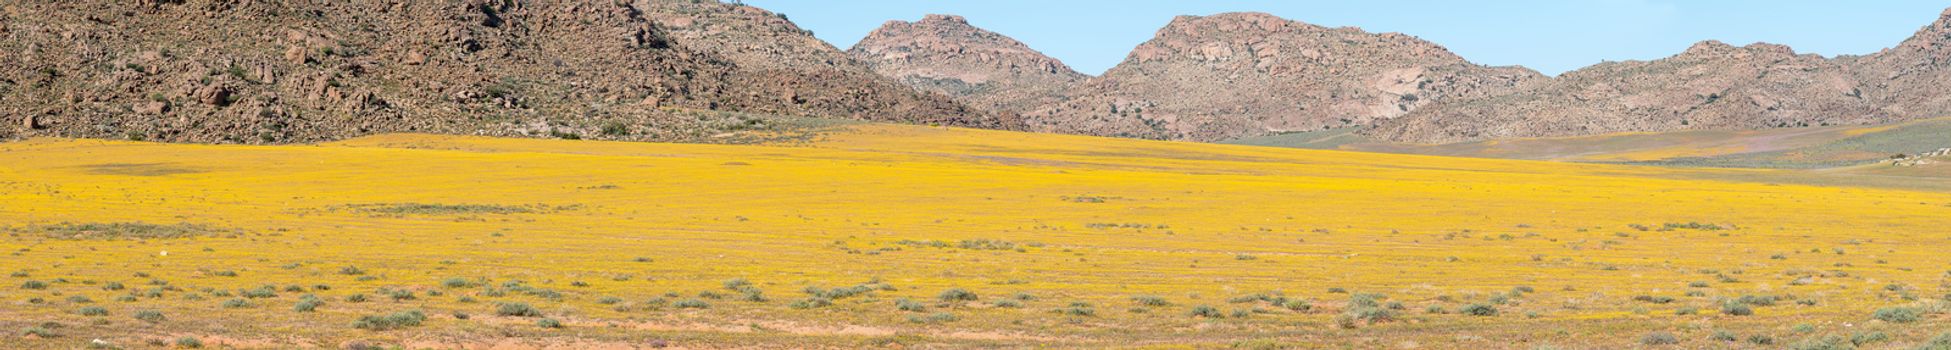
(944, 54)
(1711, 86)
(273, 71)
(1245, 74)
(1911, 79)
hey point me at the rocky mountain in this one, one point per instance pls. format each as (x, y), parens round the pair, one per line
(944, 54)
(1245, 74)
(1911, 78)
(1711, 86)
(272, 71)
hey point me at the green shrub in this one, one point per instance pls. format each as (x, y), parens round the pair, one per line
(956, 295)
(904, 304)
(113, 286)
(351, 271)
(39, 332)
(1008, 303)
(1206, 312)
(456, 282)
(1478, 310)
(397, 320)
(1150, 300)
(1736, 309)
(548, 323)
(1761, 339)
(189, 342)
(1941, 342)
(1861, 339)
(517, 310)
(1723, 335)
(236, 303)
(260, 292)
(691, 304)
(151, 316)
(356, 298)
(92, 311)
(1298, 305)
(811, 302)
(307, 304)
(1659, 338)
(33, 285)
(1897, 314)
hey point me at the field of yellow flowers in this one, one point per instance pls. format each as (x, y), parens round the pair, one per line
(911, 236)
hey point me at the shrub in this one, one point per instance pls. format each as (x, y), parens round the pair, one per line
(904, 304)
(1897, 314)
(397, 320)
(1659, 338)
(1686, 311)
(80, 299)
(1737, 309)
(1436, 309)
(956, 294)
(351, 271)
(1370, 314)
(1941, 342)
(517, 310)
(33, 285)
(307, 304)
(356, 298)
(151, 316)
(189, 342)
(1298, 305)
(260, 292)
(1150, 300)
(691, 304)
(1697, 284)
(811, 302)
(456, 282)
(1861, 339)
(1478, 310)
(113, 286)
(1654, 299)
(236, 303)
(737, 284)
(1206, 312)
(39, 332)
(609, 300)
(92, 311)
(1723, 335)
(399, 294)
(548, 323)
(1761, 339)
(1824, 343)
(1011, 304)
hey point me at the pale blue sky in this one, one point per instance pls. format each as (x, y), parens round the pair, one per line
(1551, 36)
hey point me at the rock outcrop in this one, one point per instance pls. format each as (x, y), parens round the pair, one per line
(1247, 74)
(944, 54)
(276, 71)
(1711, 85)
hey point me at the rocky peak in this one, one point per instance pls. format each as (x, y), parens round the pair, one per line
(945, 54)
(1246, 74)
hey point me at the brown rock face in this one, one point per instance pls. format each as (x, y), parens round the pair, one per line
(300, 71)
(1710, 86)
(944, 54)
(1911, 79)
(1246, 74)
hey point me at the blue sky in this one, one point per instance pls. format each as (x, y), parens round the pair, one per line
(1551, 36)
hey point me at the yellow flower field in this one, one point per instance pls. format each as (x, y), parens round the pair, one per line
(870, 236)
